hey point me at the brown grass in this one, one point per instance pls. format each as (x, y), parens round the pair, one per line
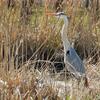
(29, 42)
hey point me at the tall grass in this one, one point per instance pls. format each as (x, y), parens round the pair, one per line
(23, 44)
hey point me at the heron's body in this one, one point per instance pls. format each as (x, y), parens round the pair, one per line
(70, 55)
(73, 58)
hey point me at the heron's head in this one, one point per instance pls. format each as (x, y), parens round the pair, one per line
(63, 16)
(60, 15)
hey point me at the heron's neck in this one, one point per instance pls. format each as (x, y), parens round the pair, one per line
(64, 34)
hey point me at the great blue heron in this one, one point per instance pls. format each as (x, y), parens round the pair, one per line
(71, 57)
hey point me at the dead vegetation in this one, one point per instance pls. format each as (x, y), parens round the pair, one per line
(34, 42)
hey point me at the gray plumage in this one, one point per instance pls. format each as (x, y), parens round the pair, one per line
(71, 58)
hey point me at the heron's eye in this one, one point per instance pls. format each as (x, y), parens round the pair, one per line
(68, 52)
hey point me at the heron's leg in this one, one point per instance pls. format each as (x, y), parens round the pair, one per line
(86, 82)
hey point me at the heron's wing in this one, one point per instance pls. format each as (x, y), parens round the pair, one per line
(75, 61)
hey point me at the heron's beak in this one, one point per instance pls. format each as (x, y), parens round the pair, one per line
(50, 14)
